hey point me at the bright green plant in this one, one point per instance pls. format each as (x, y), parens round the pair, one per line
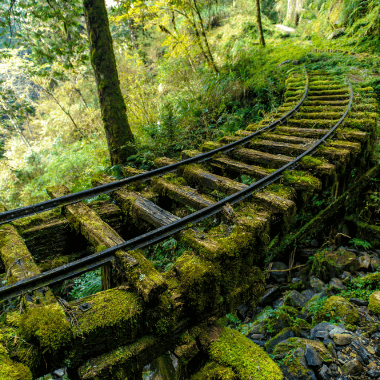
(359, 243)
(87, 284)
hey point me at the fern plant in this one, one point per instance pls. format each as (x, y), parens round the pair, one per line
(87, 284)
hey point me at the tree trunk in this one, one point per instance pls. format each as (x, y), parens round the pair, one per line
(119, 135)
(259, 26)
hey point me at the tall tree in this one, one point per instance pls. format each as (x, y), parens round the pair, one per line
(259, 25)
(119, 135)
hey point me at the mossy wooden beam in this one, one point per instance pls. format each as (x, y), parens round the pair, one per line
(345, 202)
(255, 157)
(11, 370)
(19, 263)
(137, 207)
(195, 176)
(229, 165)
(102, 236)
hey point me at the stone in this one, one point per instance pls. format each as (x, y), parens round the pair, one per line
(312, 357)
(283, 63)
(338, 308)
(346, 275)
(308, 294)
(331, 348)
(260, 343)
(336, 330)
(375, 263)
(358, 302)
(59, 372)
(364, 261)
(241, 311)
(336, 34)
(296, 280)
(343, 339)
(295, 299)
(323, 326)
(283, 348)
(330, 264)
(314, 243)
(373, 374)
(377, 350)
(278, 303)
(374, 303)
(279, 276)
(322, 334)
(337, 284)
(352, 368)
(280, 337)
(257, 327)
(325, 372)
(316, 284)
(362, 352)
(257, 336)
(295, 368)
(296, 62)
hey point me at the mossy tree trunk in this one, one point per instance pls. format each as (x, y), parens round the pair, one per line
(259, 25)
(119, 136)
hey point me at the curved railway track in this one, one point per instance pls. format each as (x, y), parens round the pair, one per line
(321, 117)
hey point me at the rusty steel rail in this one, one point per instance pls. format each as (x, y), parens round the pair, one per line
(97, 260)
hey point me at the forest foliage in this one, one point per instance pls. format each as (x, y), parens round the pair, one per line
(189, 70)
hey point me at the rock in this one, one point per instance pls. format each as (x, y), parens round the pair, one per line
(308, 294)
(296, 280)
(260, 343)
(278, 303)
(270, 295)
(314, 243)
(241, 311)
(325, 372)
(330, 264)
(343, 339)
(316, 284)
(373, 374)
(257, 336)
(322, 334)
(352, 368)
(336, 34)
(374, 303)
(377, 350)
(295, 299)
(295, 367)
(346, 275)
(331, 348)
(362, 352)
(365, 262)
(280, 337)
(337, 284)
(296, 62)
(257, 327)
(338, 307)
(283, 348)
(279, 276)
(375, 263)
(312, 356)
(59, 372)
(336, 330)
(358, 301)
(321, 327)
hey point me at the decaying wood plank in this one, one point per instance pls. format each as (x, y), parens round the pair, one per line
(102, 236)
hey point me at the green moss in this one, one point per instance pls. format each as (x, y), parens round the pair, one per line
(110, 308)
(48, 325)
(214, 371)
(339, 309)
(283, 348)
(374, 303)
(245, 358)
(302, 180)
(10, 370)
(210, 145)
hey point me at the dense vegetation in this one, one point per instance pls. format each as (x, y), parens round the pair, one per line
(179, 86)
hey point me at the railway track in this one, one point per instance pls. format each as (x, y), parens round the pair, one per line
(267, 172)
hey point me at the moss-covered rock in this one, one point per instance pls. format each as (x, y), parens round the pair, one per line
(245, 358)
(374, 303)
(337, 308)
(10, 370)
(330, 264)
(282, 349)
(214, 371)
